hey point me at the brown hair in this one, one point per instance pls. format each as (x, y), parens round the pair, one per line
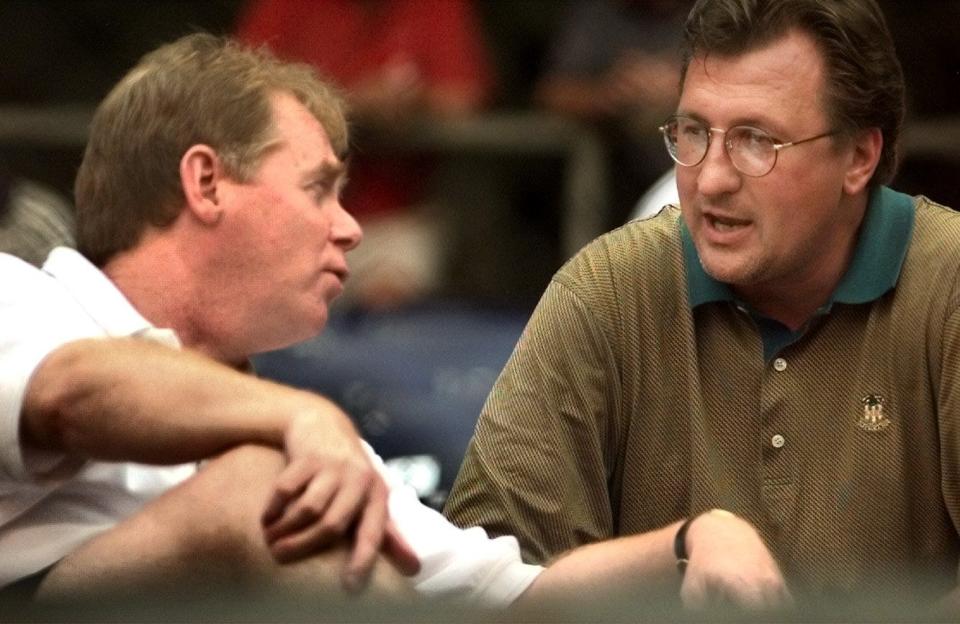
(200, 89)
(864, 81)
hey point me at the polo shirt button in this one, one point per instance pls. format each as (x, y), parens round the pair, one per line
(779, 365)
(778, 441)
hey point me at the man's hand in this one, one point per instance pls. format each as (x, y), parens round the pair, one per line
(729, 564)
(328, 490)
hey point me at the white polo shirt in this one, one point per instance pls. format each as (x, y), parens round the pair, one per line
(48, 506)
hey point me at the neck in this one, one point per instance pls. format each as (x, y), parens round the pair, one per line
(792, 309)
(794, 299)
(158, 279)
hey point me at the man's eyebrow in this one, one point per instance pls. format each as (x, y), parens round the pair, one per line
(327, 170)
(751, 121)
(692, 115)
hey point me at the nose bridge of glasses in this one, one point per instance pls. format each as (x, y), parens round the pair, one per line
(724, 139)
(734, 154)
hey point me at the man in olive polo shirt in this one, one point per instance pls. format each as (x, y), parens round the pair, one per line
(762, 385)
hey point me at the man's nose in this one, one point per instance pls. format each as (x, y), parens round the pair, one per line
(717, 175)
(346, 231)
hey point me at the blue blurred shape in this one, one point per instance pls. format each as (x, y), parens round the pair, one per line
(414, 380)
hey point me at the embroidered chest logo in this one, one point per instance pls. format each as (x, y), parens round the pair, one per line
(873, 418)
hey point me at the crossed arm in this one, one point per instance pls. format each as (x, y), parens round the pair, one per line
(130, 400)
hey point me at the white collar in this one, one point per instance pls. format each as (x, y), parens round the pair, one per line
(101, 298)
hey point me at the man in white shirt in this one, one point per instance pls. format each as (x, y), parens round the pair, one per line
(210, 229)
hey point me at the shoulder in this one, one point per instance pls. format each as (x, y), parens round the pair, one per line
(933, 218)
(634, 272)
(20, 278)
(23, 283)
(936, 235)
(931, 269)
(645, 247)
(34, 306)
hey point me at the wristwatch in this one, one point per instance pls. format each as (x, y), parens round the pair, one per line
(680, 545)
(680, 540)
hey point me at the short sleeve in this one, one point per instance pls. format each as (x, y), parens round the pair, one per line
(32, 325)
(540, 460)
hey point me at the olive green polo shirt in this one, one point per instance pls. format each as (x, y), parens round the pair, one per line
(632, 400)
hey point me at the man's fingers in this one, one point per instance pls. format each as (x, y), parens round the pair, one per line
(367, 540)
(332, 518)
(779, 596)
(296, 546)
(307, 509)
(769, 593)
(290, 483)
(276, 506)
(399, 551)
(311, 537)
(349, 502)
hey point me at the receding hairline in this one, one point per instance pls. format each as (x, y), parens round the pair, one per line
(273, 141)
(803, 35)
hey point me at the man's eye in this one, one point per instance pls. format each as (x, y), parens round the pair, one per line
(754, 139)
(320, 190)
(692, 131)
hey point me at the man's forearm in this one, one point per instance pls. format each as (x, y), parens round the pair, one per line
(728, 563)
(131, 400)
(619, 569)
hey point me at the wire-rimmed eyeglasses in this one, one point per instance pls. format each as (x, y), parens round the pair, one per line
(751, 150)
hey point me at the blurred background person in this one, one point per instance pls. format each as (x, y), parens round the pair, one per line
(33, 218)
(398, 62)
(614, 64)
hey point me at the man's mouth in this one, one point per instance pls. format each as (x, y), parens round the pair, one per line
(725, 224)
(341, 273)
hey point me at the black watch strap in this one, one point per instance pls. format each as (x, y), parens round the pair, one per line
(680, 545)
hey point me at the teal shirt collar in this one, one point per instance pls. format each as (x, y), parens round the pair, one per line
(874, 270)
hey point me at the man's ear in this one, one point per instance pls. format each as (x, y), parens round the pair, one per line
(867, 148)
(200, 174)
